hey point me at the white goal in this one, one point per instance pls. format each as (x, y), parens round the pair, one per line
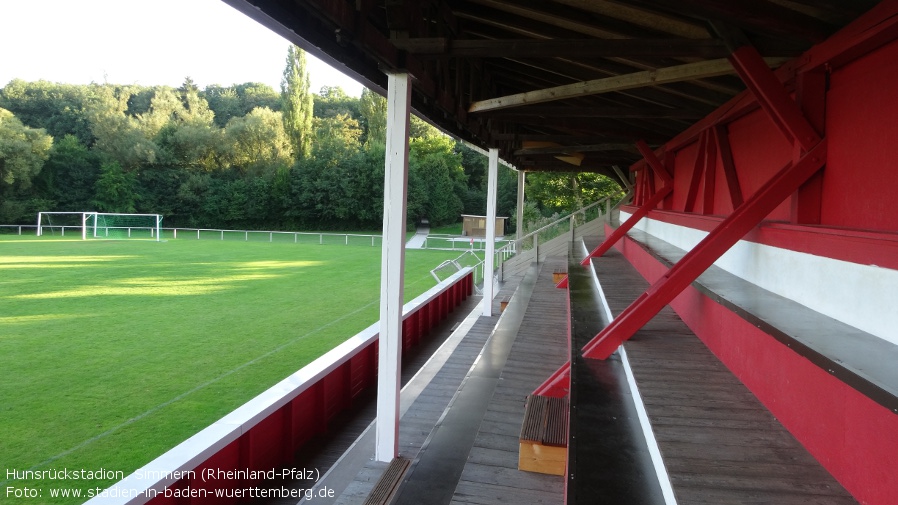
(101, 225)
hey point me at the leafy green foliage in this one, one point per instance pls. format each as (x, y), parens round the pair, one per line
(258, 141)
(69, 174)
(228, 156)
(373, 109)
(57, 108)
(115, 189)
(23, 151)
(566, 192)
(298, 103)
(238, 100)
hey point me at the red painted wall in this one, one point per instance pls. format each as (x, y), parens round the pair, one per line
(682, 175)
(861, 181)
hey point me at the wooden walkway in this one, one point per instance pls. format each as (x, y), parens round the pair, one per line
(433, 393)
(719, 444)
(447, 468)
(327, 449)
(491, 474)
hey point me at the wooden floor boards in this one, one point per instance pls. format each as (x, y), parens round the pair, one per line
(491, 474)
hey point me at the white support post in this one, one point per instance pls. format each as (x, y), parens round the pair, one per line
(522, 178)
(392, 267)
(39, 215)
(84, 226)
(489, 257)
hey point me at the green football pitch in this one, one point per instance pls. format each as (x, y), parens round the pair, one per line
(112, 352)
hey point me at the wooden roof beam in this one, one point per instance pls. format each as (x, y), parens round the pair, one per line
(638, 112)
(573, 148)
(562, 48)
(678, 73)
(641, 17)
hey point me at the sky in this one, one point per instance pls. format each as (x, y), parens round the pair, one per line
(146, 42)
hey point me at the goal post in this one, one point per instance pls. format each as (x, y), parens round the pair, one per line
(101, 225)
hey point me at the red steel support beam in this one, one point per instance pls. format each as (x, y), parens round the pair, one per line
(650, 182)
(710, 156)
(697, 171)
(729, 167)
(558, 384)
(772, 97)
(622, 230)
(655, 164)
(783, 184)
(670, 160)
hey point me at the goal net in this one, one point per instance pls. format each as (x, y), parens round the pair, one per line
(100, 225)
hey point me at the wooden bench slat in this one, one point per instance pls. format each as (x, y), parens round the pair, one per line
(388, 483)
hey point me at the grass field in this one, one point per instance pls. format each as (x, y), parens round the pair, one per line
(449, 229)
(112, 352)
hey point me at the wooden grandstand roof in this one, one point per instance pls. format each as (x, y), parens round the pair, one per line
(556, 85)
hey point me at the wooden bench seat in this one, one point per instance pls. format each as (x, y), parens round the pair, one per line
(503, 303)
(544, 435)
(558, 276)
(388, 483)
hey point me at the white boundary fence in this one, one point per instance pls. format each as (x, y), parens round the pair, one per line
(435, 242)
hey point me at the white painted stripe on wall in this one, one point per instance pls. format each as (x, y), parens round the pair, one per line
(863, 296)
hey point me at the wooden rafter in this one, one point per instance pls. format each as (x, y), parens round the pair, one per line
(644, 112)
(570, 149)
(678, 73)
(572, 48)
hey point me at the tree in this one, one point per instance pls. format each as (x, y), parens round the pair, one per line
(332, 101)
(57, 108)
(565, 192)
(120, 137)
(298, 102)
(115, 189)
(436, 180)
(259, 142)
(23, 151)
(70, 175)
(373, 108)
(323, 183)
(256, 94)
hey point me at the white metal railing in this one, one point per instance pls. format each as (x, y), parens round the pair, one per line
(455, 242)
(500, 255)
(605, 204)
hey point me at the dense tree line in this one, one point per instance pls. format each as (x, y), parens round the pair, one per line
(241, 156)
